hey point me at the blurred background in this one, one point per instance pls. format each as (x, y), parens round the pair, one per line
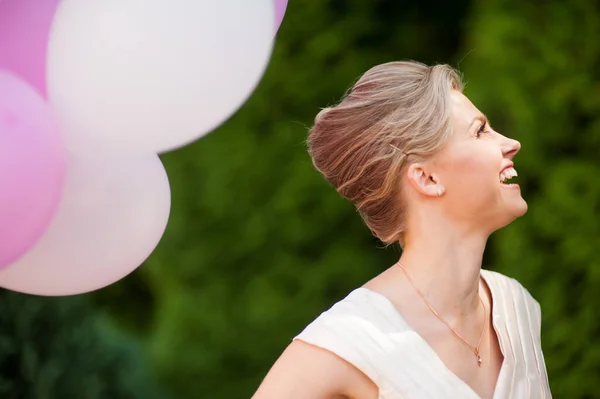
(258, 245)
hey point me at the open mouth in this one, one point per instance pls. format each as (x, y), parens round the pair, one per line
(507, 176)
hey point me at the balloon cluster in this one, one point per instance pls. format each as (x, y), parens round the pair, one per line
(91, 91)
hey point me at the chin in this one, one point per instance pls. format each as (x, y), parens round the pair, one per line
(520, 208)
(510, 213)
(515, 211)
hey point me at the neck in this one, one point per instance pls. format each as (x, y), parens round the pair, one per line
(445, 264)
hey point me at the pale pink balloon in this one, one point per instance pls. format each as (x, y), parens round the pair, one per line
(154, 75)
(24, 31)
(113, 214)
(32, 167)
(280, 7)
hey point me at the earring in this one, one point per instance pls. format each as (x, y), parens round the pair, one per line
(440, 192)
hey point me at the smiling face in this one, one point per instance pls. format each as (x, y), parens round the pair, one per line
(473, 171)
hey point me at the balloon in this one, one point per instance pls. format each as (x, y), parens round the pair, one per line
(280, 7)
(24, 29)
(113, 214)
(154, 75)
(32, 167)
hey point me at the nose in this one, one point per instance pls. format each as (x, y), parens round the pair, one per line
(510, 147)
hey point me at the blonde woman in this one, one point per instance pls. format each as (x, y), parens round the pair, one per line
(424, 168)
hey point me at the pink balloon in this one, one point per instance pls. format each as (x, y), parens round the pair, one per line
(24, 30)
(280, 7)
(32, 167)
(113, 213)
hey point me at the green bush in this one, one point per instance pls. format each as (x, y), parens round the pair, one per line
(59, 348)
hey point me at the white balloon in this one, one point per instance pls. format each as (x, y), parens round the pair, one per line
(113, 213)
(154, 75)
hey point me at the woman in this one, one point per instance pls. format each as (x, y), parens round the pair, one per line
(425, 169)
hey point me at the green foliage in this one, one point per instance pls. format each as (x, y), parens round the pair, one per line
(56, 348)
(534, 71)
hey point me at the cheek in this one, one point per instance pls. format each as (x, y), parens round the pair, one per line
(476, 172)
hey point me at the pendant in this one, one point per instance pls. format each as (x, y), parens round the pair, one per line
(477, 357)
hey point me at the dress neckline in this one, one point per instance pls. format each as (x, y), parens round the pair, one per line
(487, 280)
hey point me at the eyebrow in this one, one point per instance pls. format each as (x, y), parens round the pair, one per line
(481, 118)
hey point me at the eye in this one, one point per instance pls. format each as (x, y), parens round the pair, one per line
(482, 129)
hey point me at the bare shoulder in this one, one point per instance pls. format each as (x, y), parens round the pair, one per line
(304, 371)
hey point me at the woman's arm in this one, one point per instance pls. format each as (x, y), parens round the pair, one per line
(304, 371)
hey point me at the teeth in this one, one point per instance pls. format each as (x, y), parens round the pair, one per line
(507, 174)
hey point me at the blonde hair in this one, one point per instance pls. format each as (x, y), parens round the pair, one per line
(394, 111)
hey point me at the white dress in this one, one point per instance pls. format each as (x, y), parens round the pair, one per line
(366, 330)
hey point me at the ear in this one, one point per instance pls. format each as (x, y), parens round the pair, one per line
(425, 183)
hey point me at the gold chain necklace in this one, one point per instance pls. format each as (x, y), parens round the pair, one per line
(474, 348)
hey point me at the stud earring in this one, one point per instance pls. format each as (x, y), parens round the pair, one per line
(440, 192)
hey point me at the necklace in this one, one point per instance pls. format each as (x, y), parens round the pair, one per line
(475, 348)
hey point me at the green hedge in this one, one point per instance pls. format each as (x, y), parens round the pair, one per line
(60, 348)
